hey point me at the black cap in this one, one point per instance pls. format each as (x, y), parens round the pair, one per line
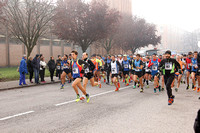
(168, 52)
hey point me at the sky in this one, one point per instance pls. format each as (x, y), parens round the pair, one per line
(184, 14)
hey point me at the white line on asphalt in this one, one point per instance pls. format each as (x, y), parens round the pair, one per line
(5, 118)
(103, 93)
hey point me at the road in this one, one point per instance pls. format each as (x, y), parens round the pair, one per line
(48, 109)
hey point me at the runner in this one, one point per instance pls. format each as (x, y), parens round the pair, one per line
(147, 75)
(183, 59)
(125, 68)
(163, 81)
(194, 70)
(188, 68)
(120, 59)
(115, 68)
(96, 62)
(88, 72)
(138, 65)
(132, 70)
(76, 66)
(198, 72)
(155, 73)
(168, 66)
(66, 71)
(180, 73)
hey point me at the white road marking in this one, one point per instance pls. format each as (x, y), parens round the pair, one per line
(103, 93)
(20, 114)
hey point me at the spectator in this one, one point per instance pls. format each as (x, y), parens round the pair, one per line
(52, 66)
(197, 123)
(36, 67)
(58, 67)
(23, 71)
(30, 69)
(42, 69)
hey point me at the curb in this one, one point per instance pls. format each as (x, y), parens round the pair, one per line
(21, 87)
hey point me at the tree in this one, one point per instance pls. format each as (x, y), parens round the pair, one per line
(83, 23)
(135, 33)
(28, 20)
(190, 39)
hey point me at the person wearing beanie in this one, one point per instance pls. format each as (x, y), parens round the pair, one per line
(169, 66)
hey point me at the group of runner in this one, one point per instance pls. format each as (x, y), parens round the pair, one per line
(162, 70)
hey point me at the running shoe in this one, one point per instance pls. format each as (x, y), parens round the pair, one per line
(77, 98)
(88, 98)
(107, 83)
(127, 84)
(187, 87)
(118, 85)
(123, 80)
(154, 90)
(194, 89)
(170, 101)
(183, 82)
(117, 89)
(198, 90)
(176, 89)
(147, 86)
(141, 90)
(104, 80)
(163, 89)
(62, 87)
(134, 87)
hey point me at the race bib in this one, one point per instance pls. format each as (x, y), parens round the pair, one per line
(168, 66)
(113, 70)
(147, 70)
(137, 69)
(154, 68)
(75, 70)
(87, 70)
(58, 67)
(126, 66)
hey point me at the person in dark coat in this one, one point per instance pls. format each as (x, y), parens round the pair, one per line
(58, 67)
(52, 66)
(23, 71)
(197, 123)
(30, 69)
(36, 67)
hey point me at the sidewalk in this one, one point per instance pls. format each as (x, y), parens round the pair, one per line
(15, 84)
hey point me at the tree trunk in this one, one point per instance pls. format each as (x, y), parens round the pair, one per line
(133, 50)
(29, 50)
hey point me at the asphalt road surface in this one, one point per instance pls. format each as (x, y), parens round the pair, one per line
(49, 109)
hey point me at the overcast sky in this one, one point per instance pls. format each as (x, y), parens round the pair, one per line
(184, 14)
(180, 13)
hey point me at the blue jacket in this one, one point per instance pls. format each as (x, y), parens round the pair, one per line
(23, 66)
